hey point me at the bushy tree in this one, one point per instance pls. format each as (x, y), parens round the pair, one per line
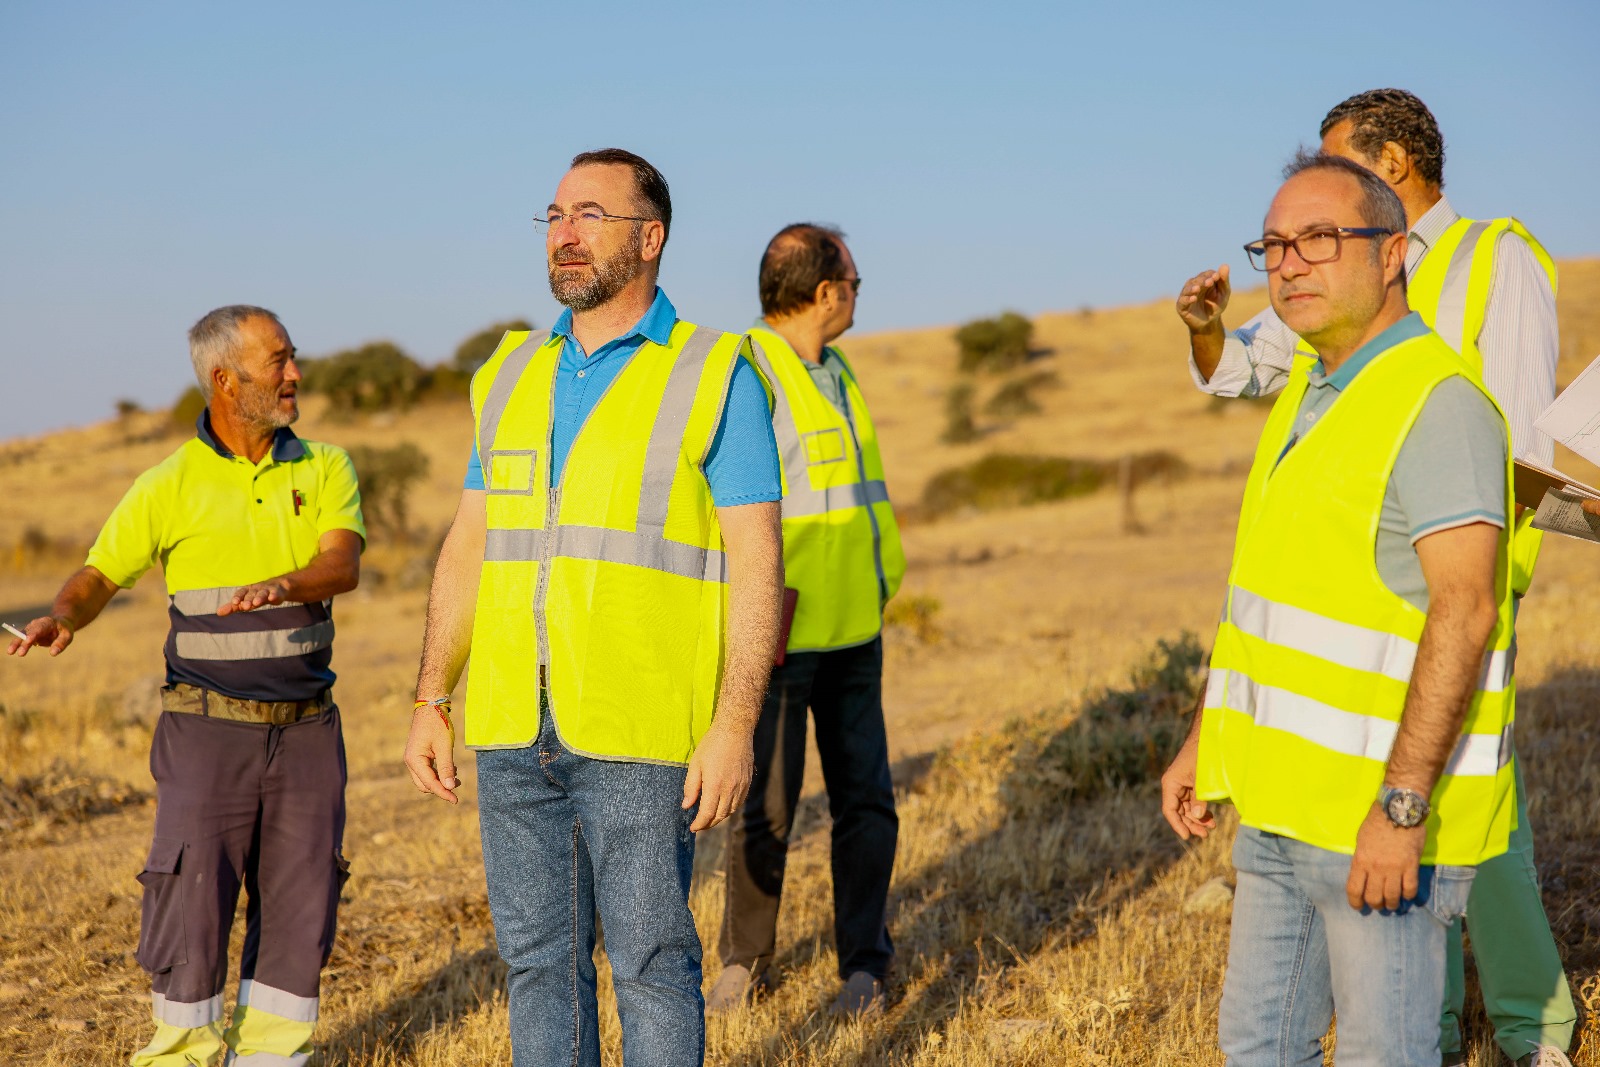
(994, 344)
(187, 409)
(475, 351)
(374, 377)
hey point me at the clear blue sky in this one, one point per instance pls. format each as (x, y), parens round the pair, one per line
(369, 170)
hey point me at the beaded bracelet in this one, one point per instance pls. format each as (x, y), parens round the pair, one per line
(442, 706)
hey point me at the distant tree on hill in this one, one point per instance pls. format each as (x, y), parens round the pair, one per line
(187, 409)
(994, 344)
(475, 351)
(386, 476)
(374, 377)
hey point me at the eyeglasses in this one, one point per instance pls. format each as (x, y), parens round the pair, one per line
(853, 283)
(1317, 246)
(587, 222)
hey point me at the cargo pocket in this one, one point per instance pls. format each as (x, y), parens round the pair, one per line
(162, 944)
(341, 875)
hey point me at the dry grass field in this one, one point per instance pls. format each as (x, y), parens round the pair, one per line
(1039, 917)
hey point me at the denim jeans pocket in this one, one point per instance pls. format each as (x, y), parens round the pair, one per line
(1451, 887)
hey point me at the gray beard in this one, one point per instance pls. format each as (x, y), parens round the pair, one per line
(259, 410)
(607, 279)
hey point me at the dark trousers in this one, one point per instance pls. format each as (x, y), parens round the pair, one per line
(844, 691)
(242, 803)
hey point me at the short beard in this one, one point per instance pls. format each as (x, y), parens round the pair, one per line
(258, 409)
(606, 280)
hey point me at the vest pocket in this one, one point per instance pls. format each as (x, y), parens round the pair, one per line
(162, 941)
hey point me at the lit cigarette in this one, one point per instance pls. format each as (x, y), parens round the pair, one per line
(13, 631)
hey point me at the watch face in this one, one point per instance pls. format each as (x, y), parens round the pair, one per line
(1406, 809)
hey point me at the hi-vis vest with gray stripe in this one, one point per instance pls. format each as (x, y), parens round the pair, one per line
(614, 580)
(841, 544)
(1314, 655)
(1450, 290)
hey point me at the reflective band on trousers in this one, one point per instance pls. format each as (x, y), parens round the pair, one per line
(612, 546)
(1346, 644)
(1344, 732)
(808, 501)
(277, 1002)
(256, 644)
(188, 1015)
(266, 1059)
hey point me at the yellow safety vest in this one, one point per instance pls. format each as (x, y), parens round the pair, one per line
(841, 544)
(1314, 654)
(1450, 290)
(614, 580)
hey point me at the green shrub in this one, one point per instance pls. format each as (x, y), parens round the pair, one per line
(959, 426)
(1122, 737)
(995, 344)
(187, 409)
(917, 613)
(374, 377)
(1015, 398)
(1006, 480)
(386, 476)
(475, 351)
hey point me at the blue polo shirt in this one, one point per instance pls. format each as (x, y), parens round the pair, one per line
(742, 466)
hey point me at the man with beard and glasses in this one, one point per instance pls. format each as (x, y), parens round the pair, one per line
(614, 569)
(256, 531)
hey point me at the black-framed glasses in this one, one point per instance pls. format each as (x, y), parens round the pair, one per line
(853, 283)
(1314, 246)
(587, 221)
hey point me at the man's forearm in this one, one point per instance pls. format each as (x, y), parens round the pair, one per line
(1206, 348)
(452, 602)
(755, 598)
(82, 598)
(329, 573)
(1443, 680)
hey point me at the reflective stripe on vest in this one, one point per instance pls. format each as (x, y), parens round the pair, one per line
(1314, 655)
(614, 579)
(1450, 290)
(273, 631)
(842, 550)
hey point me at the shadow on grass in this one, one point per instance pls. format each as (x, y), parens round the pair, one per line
(1057, 858)
(462, 987)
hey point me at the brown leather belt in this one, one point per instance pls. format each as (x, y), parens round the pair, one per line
(193, 700)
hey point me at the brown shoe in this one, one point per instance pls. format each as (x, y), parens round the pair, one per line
(735, 987)
(862, 995)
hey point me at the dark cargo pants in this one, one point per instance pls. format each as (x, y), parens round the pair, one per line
(257, 805)
(844, 691)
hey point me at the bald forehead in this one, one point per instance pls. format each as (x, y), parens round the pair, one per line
(1318, 197)
(609, 185)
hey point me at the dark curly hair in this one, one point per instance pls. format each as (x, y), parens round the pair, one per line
(1383, 115)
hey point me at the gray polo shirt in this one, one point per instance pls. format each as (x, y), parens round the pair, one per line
(1451, 470)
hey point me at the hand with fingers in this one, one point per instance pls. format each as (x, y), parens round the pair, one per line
(50, 632)
(1187, 816)
(1385, 868)
(1202, 300)
(719, 775)
(430, 751)
(260, 595)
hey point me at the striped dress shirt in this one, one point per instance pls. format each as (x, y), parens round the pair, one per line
(1519, 339)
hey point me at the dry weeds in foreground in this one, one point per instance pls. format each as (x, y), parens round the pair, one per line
(1032, 933)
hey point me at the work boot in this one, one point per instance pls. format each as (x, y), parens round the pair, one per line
(734, 988)
(1544, 1056)
(862, 995)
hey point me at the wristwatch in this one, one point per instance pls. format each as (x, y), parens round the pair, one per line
(1406, 808)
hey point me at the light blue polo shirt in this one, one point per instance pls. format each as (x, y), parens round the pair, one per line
(1451, 469)
(742, 465)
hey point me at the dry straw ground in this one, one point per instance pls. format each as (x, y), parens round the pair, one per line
(1039, 918)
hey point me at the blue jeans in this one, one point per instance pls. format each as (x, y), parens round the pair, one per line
(563, 836)
(1299, 952)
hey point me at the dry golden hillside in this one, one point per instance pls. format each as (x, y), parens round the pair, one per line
(1039, 900)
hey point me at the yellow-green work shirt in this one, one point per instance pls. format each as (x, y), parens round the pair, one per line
(215, 522)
